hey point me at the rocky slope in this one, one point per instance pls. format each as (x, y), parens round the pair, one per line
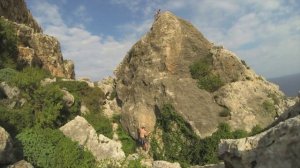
(33, 47)
(156, 71)
(16, 11)
(278, 146)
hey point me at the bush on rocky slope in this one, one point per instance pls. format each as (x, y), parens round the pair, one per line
(179, 143)
(8, 46)
(50, 148)
(201, 70)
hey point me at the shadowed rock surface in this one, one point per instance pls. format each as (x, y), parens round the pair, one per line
(276, 147)
(6, 148)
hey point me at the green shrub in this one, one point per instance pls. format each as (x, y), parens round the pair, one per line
(225, 113)
(48, 104)
(210, 83)
(178, 137)
(128, 143)
(181, 144)
(239, 134)
(255, 130)
(200, 68)
(8, 46)
(269, 107)
(7, 74)
(135, 164)
(101, 124)
(29, 79)
(83, 93)
(15, 120)
(50, 148)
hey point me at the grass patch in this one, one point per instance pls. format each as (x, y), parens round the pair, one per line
(269, 107)
(128, 143)
(101, 124)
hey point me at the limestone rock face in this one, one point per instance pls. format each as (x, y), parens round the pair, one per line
(165, 164)
(110, 104)
(16, 10)
(6, 148)
(156, 71)
(100, 146)
(37, 49)
(276, 147)
(251, 102)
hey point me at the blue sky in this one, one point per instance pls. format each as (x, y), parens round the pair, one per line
(96, 34)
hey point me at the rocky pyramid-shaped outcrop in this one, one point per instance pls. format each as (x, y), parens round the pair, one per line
(156, 71)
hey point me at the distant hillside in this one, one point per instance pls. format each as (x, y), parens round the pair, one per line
(290, 84)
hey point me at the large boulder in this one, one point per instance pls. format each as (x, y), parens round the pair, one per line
(6, 148)
(156, 71)
(101, 147)
(276, 147)
(9, 91)
(68, 98)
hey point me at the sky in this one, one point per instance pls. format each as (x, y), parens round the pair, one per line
(97, 34)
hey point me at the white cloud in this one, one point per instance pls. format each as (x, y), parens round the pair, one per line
(94, 56)
(264, 33)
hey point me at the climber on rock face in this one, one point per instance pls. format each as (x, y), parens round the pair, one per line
(143, 134)
(157, 14)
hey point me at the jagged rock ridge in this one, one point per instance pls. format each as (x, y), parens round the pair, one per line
(156, 71)
(276, 147)
(16, 11)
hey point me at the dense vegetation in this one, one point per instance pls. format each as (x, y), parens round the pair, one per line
(201, 70)
(8, 45)
(128, 144)
(34, 116)
(50, 148)
(180, 143)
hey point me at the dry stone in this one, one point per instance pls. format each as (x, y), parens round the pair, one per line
(276, 147)
(101, 147)
(6, 148)
(21, 164)
(165, 164)
(10, 92)
(68, 98)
